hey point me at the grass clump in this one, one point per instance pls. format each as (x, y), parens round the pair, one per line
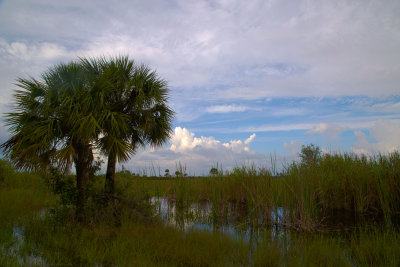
(346, 183)
(22, 195)
(365, 247)
(376, 248)
(131, 244)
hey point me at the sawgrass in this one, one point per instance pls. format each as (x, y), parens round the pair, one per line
(124, 236)
(22, 195)
(340, 184)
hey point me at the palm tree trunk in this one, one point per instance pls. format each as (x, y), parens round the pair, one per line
(83, 161)
(81, 185)
(109, 186)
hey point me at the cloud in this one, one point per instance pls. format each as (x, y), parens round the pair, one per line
(199, 154)
(282, 112)
(228, 49)
(277, 128)
(332, 130)
(239, 145)
(184, 141)
(386, 135)
(26, 51)
(3, 134)
(226, 109)
(386, 107)
(294, 147)
(217, 52)
(24, 59)
(251, 138)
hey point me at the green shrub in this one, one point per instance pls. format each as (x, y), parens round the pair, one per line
(6, 170)
(62, 185)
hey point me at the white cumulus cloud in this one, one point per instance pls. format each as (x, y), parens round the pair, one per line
(386, 135)
(199, 154)
(183, 141)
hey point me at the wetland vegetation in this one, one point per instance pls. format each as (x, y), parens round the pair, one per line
(339, 210)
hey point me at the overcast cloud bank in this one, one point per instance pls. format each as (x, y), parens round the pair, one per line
(293, 72)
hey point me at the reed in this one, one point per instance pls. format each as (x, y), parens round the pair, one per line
(131, 244)
(129, 235)
(308, 191)
(21, 196)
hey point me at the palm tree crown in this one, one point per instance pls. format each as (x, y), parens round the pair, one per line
(134, 109)
(55, 123)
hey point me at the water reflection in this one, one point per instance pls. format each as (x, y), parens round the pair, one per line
(24, 259)
(233, 220)
(255, 226)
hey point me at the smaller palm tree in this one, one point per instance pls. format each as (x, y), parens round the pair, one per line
(133, 109)
(54, 124)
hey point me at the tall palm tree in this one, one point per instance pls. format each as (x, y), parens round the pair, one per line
(55, 123)
(110, 104)
(134, 109)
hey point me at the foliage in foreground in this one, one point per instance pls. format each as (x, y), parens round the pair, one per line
(137, 238)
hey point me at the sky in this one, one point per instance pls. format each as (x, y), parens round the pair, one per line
(250, 81)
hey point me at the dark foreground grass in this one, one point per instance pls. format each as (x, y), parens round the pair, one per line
(153, 244)
(362, 248)
(22, 196)
(132, 244)
(126, 236)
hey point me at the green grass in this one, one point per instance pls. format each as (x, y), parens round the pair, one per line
(132, 244)
(309, 193)
(126, 234)
(149, 243)
(22, 195)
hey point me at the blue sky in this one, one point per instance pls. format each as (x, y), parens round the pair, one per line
(248, 79)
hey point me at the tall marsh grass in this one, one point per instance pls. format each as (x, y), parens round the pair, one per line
(347, 183)
(299, 199)
(22, 195)
(308, 191)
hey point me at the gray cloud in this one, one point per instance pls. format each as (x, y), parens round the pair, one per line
(386, 135)
(216, 52)
(231, 49)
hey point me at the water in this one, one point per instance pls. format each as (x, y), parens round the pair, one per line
(234, 220)
(15, 250)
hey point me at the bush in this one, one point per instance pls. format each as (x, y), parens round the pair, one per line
(6, 170)
(60, 184)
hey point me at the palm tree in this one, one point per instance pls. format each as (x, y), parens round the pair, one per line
(134, 109)
(109, 104)
(55, 123)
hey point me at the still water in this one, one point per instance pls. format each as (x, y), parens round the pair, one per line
(233, 220)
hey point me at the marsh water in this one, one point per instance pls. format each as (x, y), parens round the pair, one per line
(16, 248)
(233, 220)
(238, 222)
